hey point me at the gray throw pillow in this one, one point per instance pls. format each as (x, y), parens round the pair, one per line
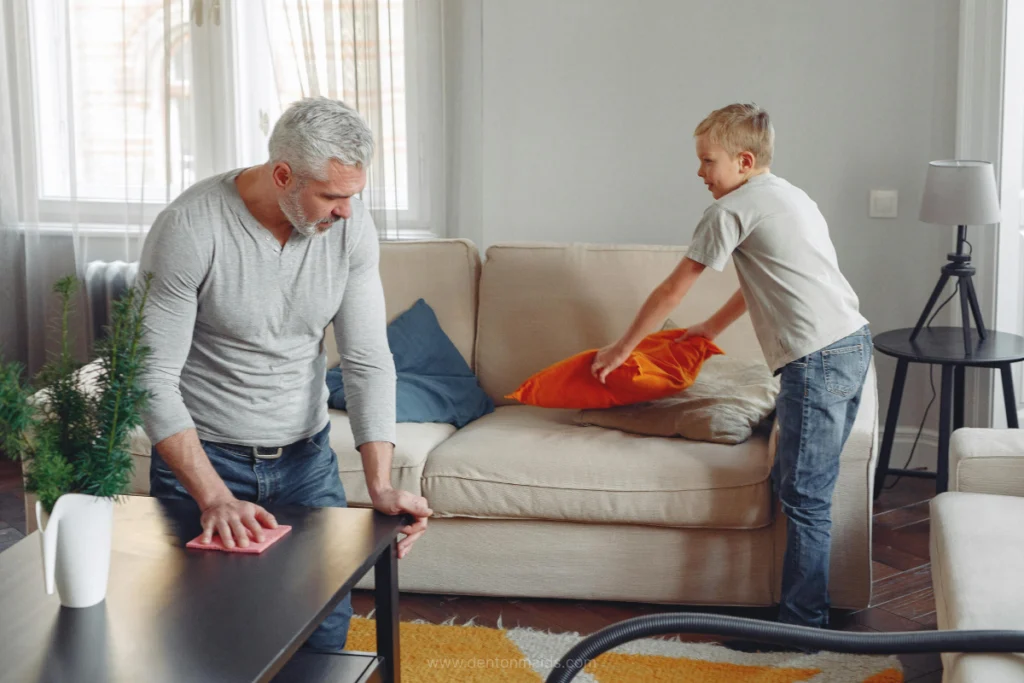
(730, 398)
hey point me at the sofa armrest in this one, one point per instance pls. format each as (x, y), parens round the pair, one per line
(30, 513)
(987, 461)
(853, 504)
(862, 444)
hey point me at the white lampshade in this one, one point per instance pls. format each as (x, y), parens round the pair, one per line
(958, 192)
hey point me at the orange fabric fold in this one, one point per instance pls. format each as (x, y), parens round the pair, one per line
(660, 366)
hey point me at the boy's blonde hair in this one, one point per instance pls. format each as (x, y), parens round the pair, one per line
(741, 128)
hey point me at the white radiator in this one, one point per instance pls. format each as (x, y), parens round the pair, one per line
(105, 282)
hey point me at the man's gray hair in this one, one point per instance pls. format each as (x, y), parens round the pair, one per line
(315, 130)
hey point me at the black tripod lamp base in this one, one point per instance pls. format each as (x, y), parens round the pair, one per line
(969, 307)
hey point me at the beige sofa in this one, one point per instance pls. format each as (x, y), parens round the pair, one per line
(529, 504)
(977, 549)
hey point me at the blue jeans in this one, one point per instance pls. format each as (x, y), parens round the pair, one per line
(306, 474)
(817, 405)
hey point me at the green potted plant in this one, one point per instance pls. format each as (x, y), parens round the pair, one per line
(70, 428)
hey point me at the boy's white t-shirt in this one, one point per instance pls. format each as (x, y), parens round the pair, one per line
(798, 300)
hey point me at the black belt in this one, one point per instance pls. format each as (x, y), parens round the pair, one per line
(263, 452)
(258, 452)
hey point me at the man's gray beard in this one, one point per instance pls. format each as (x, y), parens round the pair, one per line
(292, 210)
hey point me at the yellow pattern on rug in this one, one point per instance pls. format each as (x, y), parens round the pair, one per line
(615, 667)
(441, 653)
(431, 652)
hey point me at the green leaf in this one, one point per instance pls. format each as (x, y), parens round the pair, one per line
(74, 438)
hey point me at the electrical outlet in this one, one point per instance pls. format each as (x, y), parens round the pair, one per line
(884, 204)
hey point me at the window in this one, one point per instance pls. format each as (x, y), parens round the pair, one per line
(110, 129)
(119, 104)
(129, 102)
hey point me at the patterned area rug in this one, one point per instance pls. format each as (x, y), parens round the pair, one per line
(476, 654)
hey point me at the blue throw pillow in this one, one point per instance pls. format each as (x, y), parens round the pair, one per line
(435, 384)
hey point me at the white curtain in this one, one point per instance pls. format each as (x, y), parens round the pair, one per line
(383, 58)
(95, 136)
(109, 109)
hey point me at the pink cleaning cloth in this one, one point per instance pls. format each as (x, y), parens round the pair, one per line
(270, 536)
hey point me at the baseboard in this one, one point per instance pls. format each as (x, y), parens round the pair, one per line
(925, 455)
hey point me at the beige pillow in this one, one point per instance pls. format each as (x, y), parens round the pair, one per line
(726, 403)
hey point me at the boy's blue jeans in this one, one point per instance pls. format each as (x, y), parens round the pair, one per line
(305, 474)
(817, 405)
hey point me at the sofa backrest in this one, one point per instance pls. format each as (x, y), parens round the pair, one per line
(540, 303)
(445, 273)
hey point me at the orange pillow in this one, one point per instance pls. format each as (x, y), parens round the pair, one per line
(659, 366)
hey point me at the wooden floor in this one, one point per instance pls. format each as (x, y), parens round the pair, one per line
(902, 601)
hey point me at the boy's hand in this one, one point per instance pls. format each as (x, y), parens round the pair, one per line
(606, 360)
(703, 329)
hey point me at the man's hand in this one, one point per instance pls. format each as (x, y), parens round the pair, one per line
(704, 329)
(235, 521)
(606, 360)
(394, 502)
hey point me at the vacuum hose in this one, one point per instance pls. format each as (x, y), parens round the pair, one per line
(804, 637)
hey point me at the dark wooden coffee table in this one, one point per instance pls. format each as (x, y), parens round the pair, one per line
(174, 614)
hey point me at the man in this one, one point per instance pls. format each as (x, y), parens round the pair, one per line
(248, 268)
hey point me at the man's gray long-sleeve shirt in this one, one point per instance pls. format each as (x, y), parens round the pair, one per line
(235, 323)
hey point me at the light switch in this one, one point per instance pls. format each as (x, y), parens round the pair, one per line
(884, 204)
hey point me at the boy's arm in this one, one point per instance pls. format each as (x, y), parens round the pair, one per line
(723, 317)
(659, 304)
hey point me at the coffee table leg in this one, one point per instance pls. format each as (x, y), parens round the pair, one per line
(891, 418)
(945, 428)
(385, 575)
(1009, 400)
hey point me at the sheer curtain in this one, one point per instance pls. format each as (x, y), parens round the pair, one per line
(382, 57)
(95, 138)
(109, 109)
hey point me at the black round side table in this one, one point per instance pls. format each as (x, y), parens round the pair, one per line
(944, 346)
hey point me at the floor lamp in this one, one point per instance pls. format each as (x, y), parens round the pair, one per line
(960, 193)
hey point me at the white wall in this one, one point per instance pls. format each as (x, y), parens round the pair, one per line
(571, 120)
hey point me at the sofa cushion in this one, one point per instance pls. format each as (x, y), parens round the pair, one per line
(140, 449)
(534, 463)
(435, 384)
(581, 296)
(443, 272)
(730, 398)
(977, 552)
(987, 461)
(415, 442)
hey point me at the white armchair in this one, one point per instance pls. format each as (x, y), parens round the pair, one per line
(977, 548)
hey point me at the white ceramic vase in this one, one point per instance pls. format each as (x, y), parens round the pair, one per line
(76, 547)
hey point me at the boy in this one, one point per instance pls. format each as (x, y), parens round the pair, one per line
(806, 318)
